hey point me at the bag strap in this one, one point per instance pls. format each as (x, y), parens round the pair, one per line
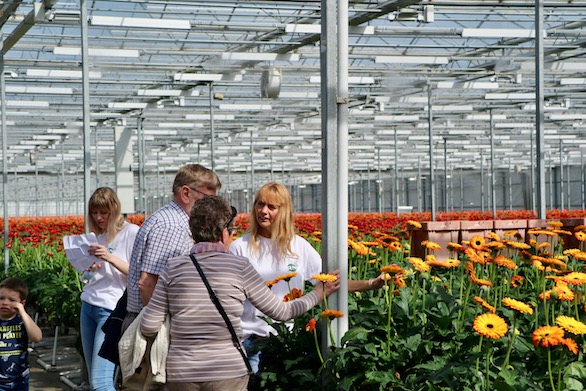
(218, 305)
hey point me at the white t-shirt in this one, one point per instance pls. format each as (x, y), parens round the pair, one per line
(305, 260)
(107, 285)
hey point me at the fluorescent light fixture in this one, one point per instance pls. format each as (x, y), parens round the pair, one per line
(499, 33)
(510, 96)
(63, 74)
(467, 85)
(25, 103)
(9, 123)
(205, 117)
(47, 137)
(573, 80)
(351, 80)
(63, 131)
(567, 66)
(403, 99)
(298, 94)
(39, 90)
(22, 147)
(437, 60)
(182, 125)
(531, 107)
(245, 107)
(155, 132)
(486, 117)
(559, 117)
(159, 92)
(105, 115)
(316, 29)
(206, 77)
(508, 125)
(450, 108)
(102, 52)
(397, 118)
(127, 105)
(249, 56)
(115, 21)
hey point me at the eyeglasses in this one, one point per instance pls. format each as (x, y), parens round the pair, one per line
(231, 229)
(200, 192)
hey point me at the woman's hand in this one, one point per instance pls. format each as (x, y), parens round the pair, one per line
(332, 286)
(99, 251)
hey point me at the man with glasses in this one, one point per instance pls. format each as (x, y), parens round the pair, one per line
(166, 234)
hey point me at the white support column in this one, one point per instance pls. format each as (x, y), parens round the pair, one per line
(124, 174)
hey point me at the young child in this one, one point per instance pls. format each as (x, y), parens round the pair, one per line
(16, 328)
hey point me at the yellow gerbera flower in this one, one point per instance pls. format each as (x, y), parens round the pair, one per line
(455, 247)
(575, 278)
(494, 236)
(556, 224)
(323, 277)
(414, 223)
(418, 264)
(517, 305)
(517, 245)
(547, 336)
(571, 325)
(477, 242)
(490, 326)
(517, 281)
(432, 246)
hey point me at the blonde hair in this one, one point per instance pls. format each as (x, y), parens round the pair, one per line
(104, 198)
(283, 228)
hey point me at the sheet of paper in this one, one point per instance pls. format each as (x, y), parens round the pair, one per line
(77, 250)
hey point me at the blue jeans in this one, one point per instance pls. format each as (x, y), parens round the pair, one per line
(253, 358)
(18, 385)
(100, 370)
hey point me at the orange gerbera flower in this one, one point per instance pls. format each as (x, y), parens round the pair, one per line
(392, 269)
(286, 277)
(331, 314)
(323, 277)
(571, 345)
(547, 336)
(517, 245)
(310, 326)
(517, 281)
(455, 247)
(485, 304)
(505, 262)
(295, 294)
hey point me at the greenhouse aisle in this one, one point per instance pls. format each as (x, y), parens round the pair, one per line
(55, 366)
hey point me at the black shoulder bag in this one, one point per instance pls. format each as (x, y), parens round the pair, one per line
(253, 379)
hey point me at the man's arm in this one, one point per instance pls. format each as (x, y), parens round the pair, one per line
(146, 286)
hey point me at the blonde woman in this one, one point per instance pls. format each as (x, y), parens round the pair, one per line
(274, 249)
(108, 280)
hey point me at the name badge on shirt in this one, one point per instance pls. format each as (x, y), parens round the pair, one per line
(292, 267)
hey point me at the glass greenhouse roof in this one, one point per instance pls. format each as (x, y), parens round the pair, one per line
(168, 67)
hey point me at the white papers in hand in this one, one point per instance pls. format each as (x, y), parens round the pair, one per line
(77, 250)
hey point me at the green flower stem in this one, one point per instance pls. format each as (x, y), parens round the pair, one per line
(486, 372)
(549, 369)
(479, 350)
(389, 315)
(317, 346)
(332, 340)
(513, 336)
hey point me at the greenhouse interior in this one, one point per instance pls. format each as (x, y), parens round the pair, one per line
(452, 94)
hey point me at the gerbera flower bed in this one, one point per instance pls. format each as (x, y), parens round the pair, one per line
(500, 313)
